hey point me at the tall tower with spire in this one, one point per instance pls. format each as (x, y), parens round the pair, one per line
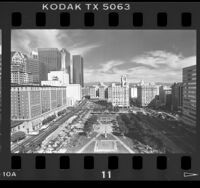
(124, 82)
(65, 59)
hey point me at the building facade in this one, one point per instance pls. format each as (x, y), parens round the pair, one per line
(133, 92)
(78, 77)
(61, 76)
(118, 95)
(36, 68)
(93, 92)
(65, 60)
(102, 92)
(146, 93)
(28, 102)
(85, 91)
(19, 68)
(177, 96)
(73, 94)
(189, 96)
(51, 57)
(164, 92)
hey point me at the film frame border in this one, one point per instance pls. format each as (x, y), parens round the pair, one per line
(160, 17)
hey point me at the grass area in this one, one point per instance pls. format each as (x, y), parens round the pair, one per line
(138, 129)
(121, 148)
(77, 142)
(89, 148)
(102, 137)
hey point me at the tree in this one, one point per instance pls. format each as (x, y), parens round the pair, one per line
(123, 129)
(88, 126)
(18, 136)
(22, 149)
(33, 146)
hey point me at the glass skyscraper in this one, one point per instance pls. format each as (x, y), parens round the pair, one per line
(51, 57)
(78, 70)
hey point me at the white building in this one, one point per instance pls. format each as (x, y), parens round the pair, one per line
(74, 94)
(93, 90)
(146, 93)
(102, 91)
(118, 96)
(19, 72)
(61, 76)
(124, 82)
(133, 92)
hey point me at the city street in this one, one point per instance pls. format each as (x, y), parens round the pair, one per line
(33, 142)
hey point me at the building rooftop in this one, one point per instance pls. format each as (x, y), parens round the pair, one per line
(16, 123)
(18, 85)
(189, 67)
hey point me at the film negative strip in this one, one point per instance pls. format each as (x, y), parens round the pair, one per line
(99, 91)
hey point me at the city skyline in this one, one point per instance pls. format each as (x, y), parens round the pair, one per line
(56, 115)
(156, 52)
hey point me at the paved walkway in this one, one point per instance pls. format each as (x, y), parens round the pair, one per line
(129, 149)
(116, 139)
(85, 146)
(103, 129)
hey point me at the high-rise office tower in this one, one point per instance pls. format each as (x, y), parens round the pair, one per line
(177, 96)
(37, 68)
(65, 60)
(163, 92)
(189, 95)
(51, 57)
(77, 65)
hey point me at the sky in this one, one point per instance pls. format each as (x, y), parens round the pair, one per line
(149, 55)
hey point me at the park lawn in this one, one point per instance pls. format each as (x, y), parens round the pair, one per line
(89, 148)
(77, 142)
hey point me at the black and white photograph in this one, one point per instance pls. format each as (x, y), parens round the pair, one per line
(103, 91)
